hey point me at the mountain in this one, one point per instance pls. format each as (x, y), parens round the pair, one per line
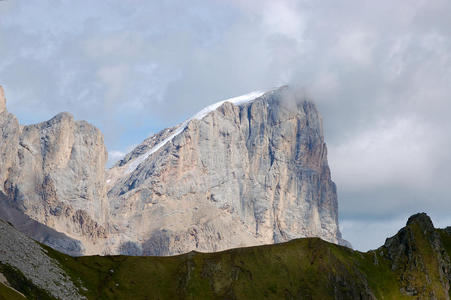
(413, 264)
(53, 173)
(245, 171)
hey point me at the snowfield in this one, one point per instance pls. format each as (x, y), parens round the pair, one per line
(132, 165)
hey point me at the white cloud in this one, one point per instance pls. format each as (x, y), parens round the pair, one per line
(282, 17)
(114, 77)
(114, 156)
(355, 46)
(397, 153)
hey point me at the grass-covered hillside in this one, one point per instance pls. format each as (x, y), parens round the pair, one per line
(414, 264)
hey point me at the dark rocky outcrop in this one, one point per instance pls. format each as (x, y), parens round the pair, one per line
(420, 260)
(448, 230)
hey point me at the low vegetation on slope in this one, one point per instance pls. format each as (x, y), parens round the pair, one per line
(7, 293)
(16, 279)
(414, 264)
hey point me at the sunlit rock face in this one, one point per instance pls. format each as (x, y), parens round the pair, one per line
(53, 172)
(242, 174)
(249, 170)
(2, 100)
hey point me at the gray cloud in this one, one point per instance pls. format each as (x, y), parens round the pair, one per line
(380, 73)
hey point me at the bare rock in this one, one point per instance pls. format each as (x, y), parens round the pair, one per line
(249, 171)
(419, 258)
(88, 226)
(2, 100)
(9, 134)
(24, 254)
(54, 173)
(37, 231)
(247, 174)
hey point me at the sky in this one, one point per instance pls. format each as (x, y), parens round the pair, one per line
(379, 72)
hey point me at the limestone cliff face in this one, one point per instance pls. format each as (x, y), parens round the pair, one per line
(248, 171)
(53, 172)
(9, 134)
(246, 174)
(2, 100)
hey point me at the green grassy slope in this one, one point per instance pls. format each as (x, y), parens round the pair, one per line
(309, 268)
(17, 280)
(300, 269)
(446, 240)
(6, 293)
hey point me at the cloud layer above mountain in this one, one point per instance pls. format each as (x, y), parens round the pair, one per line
(380, 72)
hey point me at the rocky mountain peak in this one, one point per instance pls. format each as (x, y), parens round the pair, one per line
(53, 173)
(422, 220)
(409, 252)
(2, 100)
(61, 117)
(244, 171)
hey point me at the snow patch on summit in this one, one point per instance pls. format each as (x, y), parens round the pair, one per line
(137, 161)
(199, 116)
(236, 101)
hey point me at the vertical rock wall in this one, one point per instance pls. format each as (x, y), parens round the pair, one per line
(261, 164)
(53, 172)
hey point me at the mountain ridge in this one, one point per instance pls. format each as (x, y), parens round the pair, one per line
(244, 171)
(306, 268)
(248, 160)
